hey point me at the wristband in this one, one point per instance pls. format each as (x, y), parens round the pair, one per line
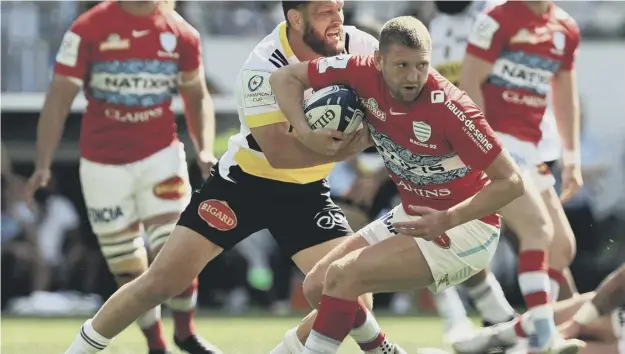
(571, 157)
(586, 314)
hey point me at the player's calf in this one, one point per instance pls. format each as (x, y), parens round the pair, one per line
(126, 257)
(182, 305)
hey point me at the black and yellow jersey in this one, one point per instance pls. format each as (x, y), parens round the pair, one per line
(257, 105)
(449, 34)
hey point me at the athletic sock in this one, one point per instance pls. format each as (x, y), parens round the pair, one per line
(535, 287)
(335, 319)
(88, 341)
(490, 300)
(183, 311)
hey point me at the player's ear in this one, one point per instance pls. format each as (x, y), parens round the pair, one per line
(294, 18)
(377, 59)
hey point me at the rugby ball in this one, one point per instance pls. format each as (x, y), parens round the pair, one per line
(335, 107)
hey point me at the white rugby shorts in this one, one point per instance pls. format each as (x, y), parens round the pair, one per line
(454, 257)
(118, 195)
(528, 157)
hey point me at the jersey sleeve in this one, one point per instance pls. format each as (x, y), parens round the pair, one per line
(191, 50)
(469, 134)
(257, 101)
(73, 57)
(487, 38)
(337, 70)
(568, 61)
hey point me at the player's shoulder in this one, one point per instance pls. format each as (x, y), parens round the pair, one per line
(182, 26)
(446, 98)
(92, 19)
(359, 42)
(565, 20)
(268, 55)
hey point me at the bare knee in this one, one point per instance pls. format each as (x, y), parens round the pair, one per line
(342, 279)
(313, 284)
(160, 286)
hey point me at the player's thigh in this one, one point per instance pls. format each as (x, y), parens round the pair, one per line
(181, 259)
(563, 237)
(308, 224)
(453, 257)
(109, 196)
(222, 212)
(394, 264)
(527, 215)
(162, 183)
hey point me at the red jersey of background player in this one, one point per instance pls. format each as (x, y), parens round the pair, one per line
(130, 68)
(435, 149)
(526, 50)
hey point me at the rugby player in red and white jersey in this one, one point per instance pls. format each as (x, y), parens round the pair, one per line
(265, 166)
(449, 168)
(130, 57)
(516, 53)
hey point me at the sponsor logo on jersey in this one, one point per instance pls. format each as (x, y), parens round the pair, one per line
(133, 117)
(468, 126)
(104, 215)
(217, 214)
(425, 193)
(524, 99)
(516, 73)
(173, 188)
(372, 106)
(134, 83)
(114, 42)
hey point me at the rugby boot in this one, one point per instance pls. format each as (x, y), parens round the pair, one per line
(196, 345)
(387, 348)
(159, 351)
(486, 323)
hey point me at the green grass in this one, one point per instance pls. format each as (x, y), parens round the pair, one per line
(235, 335)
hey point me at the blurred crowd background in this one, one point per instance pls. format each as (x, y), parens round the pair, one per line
(51, 263)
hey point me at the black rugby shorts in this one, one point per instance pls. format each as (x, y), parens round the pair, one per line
(298, 216)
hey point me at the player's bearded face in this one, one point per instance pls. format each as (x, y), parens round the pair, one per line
(322, 28)
(405, 70)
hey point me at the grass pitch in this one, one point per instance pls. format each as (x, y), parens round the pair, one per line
(234, 335)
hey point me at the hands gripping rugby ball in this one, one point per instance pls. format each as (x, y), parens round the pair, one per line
(335, 107)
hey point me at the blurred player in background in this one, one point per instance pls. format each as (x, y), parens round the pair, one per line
(597, 317)
(515, 54)
(130, 58)
(266, 180)
(448, 166)
(450, 29)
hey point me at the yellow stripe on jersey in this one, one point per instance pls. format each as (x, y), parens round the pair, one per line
(450, 70)
(284, 41)
(258, 120)
(260, 167)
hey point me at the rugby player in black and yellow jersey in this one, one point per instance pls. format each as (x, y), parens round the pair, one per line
(266, 180)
